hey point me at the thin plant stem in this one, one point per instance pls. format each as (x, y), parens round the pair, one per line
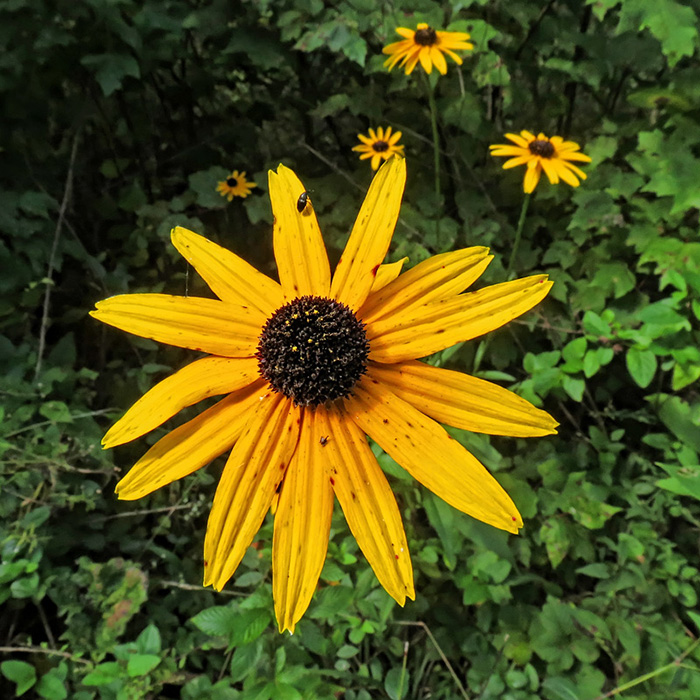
(67, 189)
(518, 235)
(436, 153)
(483, 347)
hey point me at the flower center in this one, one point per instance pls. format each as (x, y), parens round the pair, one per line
(313, 350)
(543, 149)
(232, 182)
(380, 146)
(425, 36)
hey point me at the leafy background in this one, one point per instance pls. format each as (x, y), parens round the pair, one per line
(119, 116)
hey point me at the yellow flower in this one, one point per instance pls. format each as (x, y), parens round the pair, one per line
(235, 185)
(427, 46)
(379, 145)
(311, 365)
(542, 153)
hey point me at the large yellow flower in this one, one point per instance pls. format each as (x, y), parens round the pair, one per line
(235, 185)
(426, 45)
(379, 145)
(311, 365)
(542, 153)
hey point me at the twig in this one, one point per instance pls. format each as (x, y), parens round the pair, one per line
(129, 513)
(48, 652)
(676, 663)
(75, 416)
(52, 257)
(190, 587)
(445, 660)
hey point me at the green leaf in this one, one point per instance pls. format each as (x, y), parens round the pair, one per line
(141, 664)
(676, 416)
(641, 365)
(217, 621)
(103, 674)
(673, 24)
(110, 69)
(684, 481)
(51, 686)
(396, 683)
(21, 673)
(148, 642)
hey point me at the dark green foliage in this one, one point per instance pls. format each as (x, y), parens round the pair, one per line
(118, 120)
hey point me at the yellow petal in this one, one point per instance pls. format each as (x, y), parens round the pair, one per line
(431, 456)
(385, 274)
(439, 60)
(211, 326)
(532, 177)
(463, 401)
(441, 324)
(424, 57)
(252, 474)
(370, 236)
(231, 278)
(368, 504)
(550, 170)
(192, 445)
(438, 277)
(302, 527)
(300, 253)
(199, 380)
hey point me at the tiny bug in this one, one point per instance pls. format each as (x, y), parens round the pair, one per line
(324, 440)
(302, 201)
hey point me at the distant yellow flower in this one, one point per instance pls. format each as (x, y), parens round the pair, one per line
(308, 367)
(235, 185)
(427, 46)
(379, 146)
(542, 153)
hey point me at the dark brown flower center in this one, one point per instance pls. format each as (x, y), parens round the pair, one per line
(232, 182)
(425, 37)
(380, 146)
(541, 148)
(313, 350)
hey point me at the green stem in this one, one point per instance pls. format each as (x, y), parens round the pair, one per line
(518, 235)
(436, 152)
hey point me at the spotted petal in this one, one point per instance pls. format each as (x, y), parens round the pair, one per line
(370, 236)
(302, 526)
(431, 456)
(252, 474)
(208, 325)
(300, 253)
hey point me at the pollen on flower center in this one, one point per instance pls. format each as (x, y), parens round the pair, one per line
(380, 146)
(313, 350)
(425, 37)
(541, 148)
(231, 181)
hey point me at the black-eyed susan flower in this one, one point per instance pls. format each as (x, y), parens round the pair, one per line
(235, 185)
(426, 45)
(553, 155)
(309, 367)
(380, 145)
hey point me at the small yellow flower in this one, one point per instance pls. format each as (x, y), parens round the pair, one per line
(427, 46)
(235, 185)
(542, 153)
(379, 145)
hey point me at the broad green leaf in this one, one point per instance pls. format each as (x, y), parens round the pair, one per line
(141, 664)
(641, 365)
(21, 673)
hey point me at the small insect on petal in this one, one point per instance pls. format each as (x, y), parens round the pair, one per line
(302, 201)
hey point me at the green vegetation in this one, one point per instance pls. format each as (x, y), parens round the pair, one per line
(119, 118)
